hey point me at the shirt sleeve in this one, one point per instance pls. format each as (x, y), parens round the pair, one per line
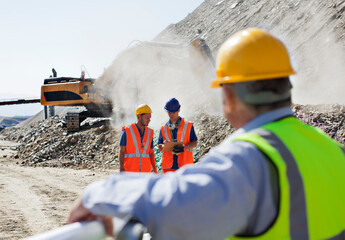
(192, 136)
(160, 137)
(123, 138)
(227, 193)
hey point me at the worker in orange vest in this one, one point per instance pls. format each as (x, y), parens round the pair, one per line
(177, 129)
(136, 144)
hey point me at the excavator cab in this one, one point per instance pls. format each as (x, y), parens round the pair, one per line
(74, 92)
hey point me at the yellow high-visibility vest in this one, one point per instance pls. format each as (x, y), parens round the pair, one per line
(311, 169)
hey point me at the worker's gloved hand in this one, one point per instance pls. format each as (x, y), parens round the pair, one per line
(178, 149)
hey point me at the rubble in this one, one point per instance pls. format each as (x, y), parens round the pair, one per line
(329, 118)
(210, 130)
(47, 144)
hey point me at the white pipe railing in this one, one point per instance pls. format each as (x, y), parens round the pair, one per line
(124, 229)
(92, 230)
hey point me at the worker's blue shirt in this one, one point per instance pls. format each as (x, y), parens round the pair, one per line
(123, 137)
(231, 191)
(192, 138)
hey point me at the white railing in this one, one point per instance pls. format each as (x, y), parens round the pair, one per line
(124, 229)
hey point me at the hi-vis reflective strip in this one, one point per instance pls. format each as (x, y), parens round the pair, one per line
(147, 141)
(136, 155)
(298, 217)
(137, 152)
(166, 133)
(184, 131)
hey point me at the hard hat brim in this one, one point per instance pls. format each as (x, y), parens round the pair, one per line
(169, 111)
(217, 82)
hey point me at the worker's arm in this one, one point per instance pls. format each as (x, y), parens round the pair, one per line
(80, 213)
(122, 157)
(160, 141)
(191, 145)
(193, 140)
(122, 148)
(215, 199)
(153, 160)
(161, 146)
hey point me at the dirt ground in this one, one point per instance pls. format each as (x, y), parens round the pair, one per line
(37, 199)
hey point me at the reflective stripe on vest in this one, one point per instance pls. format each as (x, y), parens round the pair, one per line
(184, 131)
(311, 170)
(298, 217)
(137, 151)
(166, 133)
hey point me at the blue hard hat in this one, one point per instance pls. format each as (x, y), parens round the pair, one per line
(172, 105)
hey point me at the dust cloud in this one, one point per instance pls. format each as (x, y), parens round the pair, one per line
(320, 61)
(152, 73)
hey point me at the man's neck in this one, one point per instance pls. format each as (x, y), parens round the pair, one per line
(175, 120)
(241, 118)
(140, 126)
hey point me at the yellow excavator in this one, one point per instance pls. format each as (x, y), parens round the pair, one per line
(71, 91)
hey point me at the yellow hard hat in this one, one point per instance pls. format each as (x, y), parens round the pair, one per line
(142, 109)
(250, 55)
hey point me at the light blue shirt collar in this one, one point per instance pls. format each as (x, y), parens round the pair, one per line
(263, 119)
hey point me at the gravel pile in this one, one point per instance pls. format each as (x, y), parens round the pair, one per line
(210, 130)
(47, 143)
(330, 118)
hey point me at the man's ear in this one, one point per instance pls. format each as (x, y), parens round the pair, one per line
(229, 97)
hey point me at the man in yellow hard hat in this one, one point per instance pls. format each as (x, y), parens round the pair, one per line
(274, 178)
(136, 144)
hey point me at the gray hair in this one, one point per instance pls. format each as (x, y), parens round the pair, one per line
(264, 92)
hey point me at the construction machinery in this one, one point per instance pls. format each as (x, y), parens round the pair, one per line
(75, 92)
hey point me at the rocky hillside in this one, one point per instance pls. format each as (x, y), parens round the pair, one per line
(313, 31)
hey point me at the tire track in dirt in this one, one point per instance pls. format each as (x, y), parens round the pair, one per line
(20, 196)
(34, 200)
(13, 225)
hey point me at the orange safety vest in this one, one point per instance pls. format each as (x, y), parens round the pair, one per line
(183, 135)
(137, 152)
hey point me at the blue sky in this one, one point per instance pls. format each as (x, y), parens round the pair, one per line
(38, 35)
